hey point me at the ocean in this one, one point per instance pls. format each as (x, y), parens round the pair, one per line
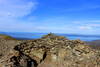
(28, 36)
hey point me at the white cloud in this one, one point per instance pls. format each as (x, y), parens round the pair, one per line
(94, 25)
(11, 11)
(15, 8)
(92, 21)
(87, 24)
(85, 27)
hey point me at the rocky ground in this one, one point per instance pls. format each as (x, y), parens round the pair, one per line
(6, 44)
(49, 51)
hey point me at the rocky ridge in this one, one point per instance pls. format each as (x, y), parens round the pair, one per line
(52, 51)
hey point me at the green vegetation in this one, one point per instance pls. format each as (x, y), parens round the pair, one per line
(2, 36)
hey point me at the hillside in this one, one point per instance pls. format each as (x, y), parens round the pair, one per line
(94, 44)
(6, 37)
(52, 51)
(6, 44)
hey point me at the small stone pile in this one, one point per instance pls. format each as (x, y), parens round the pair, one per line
(53, 51)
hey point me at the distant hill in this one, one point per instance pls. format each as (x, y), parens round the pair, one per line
(34, 35)
(2, 36)
(94, 44)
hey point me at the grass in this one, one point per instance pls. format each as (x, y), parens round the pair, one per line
(2, 36)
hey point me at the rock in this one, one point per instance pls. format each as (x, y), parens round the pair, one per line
(54, 51)
(6, 46)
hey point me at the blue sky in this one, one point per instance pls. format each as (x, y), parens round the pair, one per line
(57, 16)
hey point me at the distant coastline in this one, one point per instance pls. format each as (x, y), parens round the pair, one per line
(30, 36)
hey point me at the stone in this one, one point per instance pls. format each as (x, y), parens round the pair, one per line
(54, 51)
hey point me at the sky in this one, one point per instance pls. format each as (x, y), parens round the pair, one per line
(56, 16)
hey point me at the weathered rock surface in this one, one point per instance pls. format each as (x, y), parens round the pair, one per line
(6, 46)
(52, 51)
